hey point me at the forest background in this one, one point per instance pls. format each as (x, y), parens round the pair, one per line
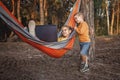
(102, 15)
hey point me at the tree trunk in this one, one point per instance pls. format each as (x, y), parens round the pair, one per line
(87, 7)
(42, 12)
(45, 10)
(108, 22)
(13, 12)
(55, 20)
(18, 10)
(112, 22)
(118, 15)
(33, 10)
(13, 7)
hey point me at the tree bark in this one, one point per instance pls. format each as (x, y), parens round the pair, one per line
(33, 10)
(108, 22)
(87, 7)
(112, 22)
(118, 15)
(18, 10)
(55, 20)
(13, 7)
(42, 12)
(45, 10)
(13, 12)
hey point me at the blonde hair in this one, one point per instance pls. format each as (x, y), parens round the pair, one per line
(67, 27)
(79, 14)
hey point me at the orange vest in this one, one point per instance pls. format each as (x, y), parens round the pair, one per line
(83, 32)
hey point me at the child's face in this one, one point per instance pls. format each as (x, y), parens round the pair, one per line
(65, 32)
(78, 19)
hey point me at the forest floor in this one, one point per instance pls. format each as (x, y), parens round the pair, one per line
(20, 61)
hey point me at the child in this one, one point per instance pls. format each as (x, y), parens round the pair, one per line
(66, 30)
(84, 39)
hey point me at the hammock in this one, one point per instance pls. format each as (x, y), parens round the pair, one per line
(53, 49)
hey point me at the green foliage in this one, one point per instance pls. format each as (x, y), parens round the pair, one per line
(100, 17)
(60, 9)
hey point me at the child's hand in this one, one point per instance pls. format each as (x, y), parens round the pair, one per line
(75, 28)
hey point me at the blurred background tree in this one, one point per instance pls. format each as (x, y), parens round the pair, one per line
(42, 11)
(107, 19)
(104, 14)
